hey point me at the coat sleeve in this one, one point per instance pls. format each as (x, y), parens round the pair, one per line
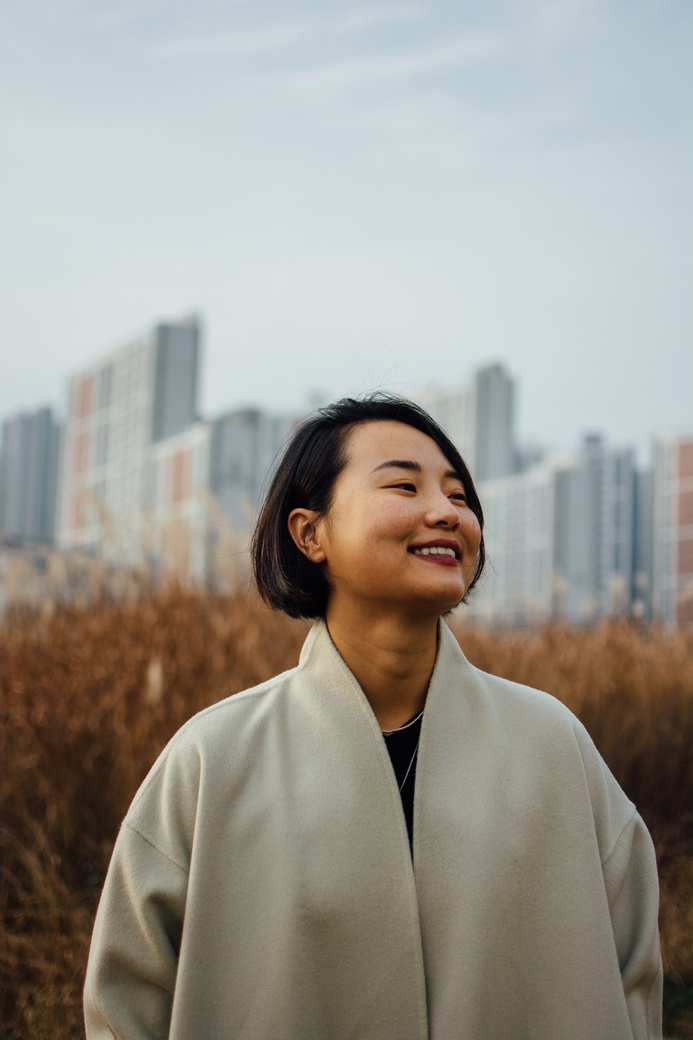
(629, 868)
(630, 873)
(134, 952)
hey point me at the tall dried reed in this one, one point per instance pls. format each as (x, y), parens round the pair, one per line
(89, 697)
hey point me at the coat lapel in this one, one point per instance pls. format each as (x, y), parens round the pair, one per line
(359, 886)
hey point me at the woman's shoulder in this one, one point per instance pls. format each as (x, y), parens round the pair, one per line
(235, 710)
(213, 737)
(505, 698)
(522, 699)
(528, 718)
(536, 727)
(538, 717)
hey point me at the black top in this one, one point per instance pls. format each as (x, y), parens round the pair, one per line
(403, 746)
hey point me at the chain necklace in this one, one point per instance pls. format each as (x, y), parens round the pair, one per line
(406, 775)
(398, 729)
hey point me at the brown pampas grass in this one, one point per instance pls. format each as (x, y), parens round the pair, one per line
(90, 696)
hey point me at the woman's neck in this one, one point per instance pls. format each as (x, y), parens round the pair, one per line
(391, 657)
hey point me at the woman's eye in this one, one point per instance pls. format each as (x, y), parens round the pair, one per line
(406, 486)
(459, 496)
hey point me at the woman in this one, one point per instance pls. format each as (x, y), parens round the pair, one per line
(276, 879)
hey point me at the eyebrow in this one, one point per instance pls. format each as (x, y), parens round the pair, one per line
(413, 467)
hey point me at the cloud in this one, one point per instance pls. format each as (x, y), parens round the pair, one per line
(114, 15)
(360, 72)
(247, 41)
(555, 21)
(369, 17)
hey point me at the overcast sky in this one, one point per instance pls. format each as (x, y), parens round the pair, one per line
(356, 194)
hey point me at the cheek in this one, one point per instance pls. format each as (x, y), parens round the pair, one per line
(475, 532)
(472, 534)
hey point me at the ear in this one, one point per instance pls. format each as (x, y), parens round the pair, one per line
(305, 529)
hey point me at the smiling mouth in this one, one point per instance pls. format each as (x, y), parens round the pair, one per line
(435, 550)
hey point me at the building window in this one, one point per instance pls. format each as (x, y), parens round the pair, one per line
(82, 452)
(82, 397)
(105, 384)
(180, 476)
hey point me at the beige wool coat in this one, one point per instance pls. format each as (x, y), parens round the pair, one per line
(262, 887)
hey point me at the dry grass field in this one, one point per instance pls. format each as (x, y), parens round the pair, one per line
(89, 697)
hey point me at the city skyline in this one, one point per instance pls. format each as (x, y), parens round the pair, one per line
(421, 391)
(142, 482)
(357, 196)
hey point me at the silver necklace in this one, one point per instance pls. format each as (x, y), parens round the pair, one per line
(398, 729)
(406, 775)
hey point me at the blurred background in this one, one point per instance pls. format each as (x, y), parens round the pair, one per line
(221, 215)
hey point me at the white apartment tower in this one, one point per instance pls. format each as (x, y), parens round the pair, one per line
(672, 572)
(119, 408)
(518, 584)
(203, 492)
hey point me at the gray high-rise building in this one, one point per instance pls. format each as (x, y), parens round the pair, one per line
(244, 448)
(480, 418)
(595, 529)
(28, 475)
(495, 452)
(562, 539)
(642, 544)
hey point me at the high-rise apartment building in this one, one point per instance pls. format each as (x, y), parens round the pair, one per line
(494, 426)
(204, 490)
(480, 418)
(118, 409)
(672, 571)
(455, 410)
(178, 510)
(643, 544)
(245, 446)
(560, 538)
(519, 582)
(29, 454)
(595, 529)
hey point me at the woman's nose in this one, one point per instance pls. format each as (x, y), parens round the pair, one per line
(443, 513)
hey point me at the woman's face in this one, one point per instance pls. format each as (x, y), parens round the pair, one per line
(399, 533)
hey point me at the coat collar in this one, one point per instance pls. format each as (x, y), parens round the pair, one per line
(319, 653)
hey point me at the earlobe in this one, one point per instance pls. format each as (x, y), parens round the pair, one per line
(304, 529)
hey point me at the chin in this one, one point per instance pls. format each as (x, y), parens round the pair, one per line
(442, 605)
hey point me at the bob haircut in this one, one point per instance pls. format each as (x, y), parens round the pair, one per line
(305, 477)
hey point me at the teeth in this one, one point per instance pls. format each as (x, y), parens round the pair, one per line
(434, 550)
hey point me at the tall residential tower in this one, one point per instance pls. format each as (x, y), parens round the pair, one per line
(480, 418)
(673, 530)
(29, 455)
(118, 409)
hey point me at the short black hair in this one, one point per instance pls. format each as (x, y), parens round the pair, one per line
(305, 478)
